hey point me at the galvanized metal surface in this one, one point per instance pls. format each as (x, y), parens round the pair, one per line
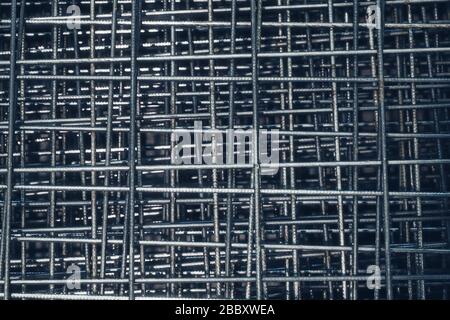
(88, 181)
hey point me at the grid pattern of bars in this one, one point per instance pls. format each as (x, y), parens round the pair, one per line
(88, 185)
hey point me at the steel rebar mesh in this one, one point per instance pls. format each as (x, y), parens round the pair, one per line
(87, 177)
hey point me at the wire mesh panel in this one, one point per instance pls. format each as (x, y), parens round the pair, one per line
(225, 149)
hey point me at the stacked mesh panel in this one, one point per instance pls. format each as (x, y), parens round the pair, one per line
(93, 205)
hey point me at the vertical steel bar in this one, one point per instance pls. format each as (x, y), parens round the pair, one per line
(135, 43)
(383, 141)
(8, 208)
(108, 145)
(255, 9)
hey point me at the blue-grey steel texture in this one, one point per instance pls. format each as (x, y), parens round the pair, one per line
(93, 206)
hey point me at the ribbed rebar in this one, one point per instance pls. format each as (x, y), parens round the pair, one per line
(96, 206)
